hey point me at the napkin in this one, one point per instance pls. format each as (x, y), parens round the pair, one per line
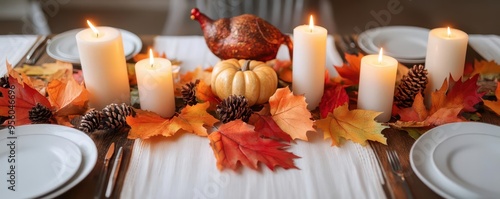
(13, 48)
(184, 166)
(488, 46)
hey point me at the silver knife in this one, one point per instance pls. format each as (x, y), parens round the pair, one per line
(35, 47)
(114, 172)
(104, 171)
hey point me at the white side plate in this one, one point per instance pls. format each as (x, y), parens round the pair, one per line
(80, 139)
(39, 163)
(459, 160)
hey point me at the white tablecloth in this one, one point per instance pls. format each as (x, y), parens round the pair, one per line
(184, 166)
(13, 48)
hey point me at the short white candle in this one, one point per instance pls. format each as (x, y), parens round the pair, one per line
(156, 87)
(377, 80)
(446, 50)
(104, 66)
(309, 56)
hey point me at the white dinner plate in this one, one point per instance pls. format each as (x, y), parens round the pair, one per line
(83, 141)
(38, 163)
(405, 43)
(63, 46)
(459, 160)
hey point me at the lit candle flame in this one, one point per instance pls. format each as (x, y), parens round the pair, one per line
(449, 32)
(151, 57)
(311, 23)
(380, 56)
(93, 28)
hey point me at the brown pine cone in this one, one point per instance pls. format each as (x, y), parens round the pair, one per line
(234, 107)
(40, 114)
(188, 92)
(91, 121)
(411, 84)
(114, 116)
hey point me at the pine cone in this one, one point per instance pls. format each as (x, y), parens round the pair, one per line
(40, 114)
(234, 107)
(411, 84)
(188, 92)
(4, 82)
(114, 115)
(91, 121)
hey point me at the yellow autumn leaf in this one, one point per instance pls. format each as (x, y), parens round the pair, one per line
(356, 125)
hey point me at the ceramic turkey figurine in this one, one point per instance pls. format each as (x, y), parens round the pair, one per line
(242, 37)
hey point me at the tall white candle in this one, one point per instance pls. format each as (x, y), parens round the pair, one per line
(446, 50)
(156, 87)
(309, 56)
(104, 66)
(377, 80)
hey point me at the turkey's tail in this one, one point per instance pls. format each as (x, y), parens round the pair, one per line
(289, 44)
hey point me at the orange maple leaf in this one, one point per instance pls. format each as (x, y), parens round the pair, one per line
(147, 124)
(356, 125)
(464, 94)
(494, 105)
(19, 99)
(350, 70)
(197, 74)
(485, 68)
(68, 97)
(290, 113)
(204, 93)
(192, 119)
(237, 141)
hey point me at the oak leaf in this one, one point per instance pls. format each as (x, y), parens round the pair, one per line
(494, 105)
(350, 70)
(356, 125)
(333, 97)
(24, 98)
(236, 143)
(290, 113)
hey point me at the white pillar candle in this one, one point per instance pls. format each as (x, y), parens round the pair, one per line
(377, 80)
(309, 56)
(156, 87)
(446, 50)
(104, 66)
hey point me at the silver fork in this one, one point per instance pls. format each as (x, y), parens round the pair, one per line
(396, 167)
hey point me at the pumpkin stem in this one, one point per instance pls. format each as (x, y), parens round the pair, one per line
(246, 66)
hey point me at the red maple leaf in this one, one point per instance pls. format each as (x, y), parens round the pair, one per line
(237, 141)
(464, 94)
(333, 97)
(24, 98)
(268, 128)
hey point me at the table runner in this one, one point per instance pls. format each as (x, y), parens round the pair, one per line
(184, 166)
